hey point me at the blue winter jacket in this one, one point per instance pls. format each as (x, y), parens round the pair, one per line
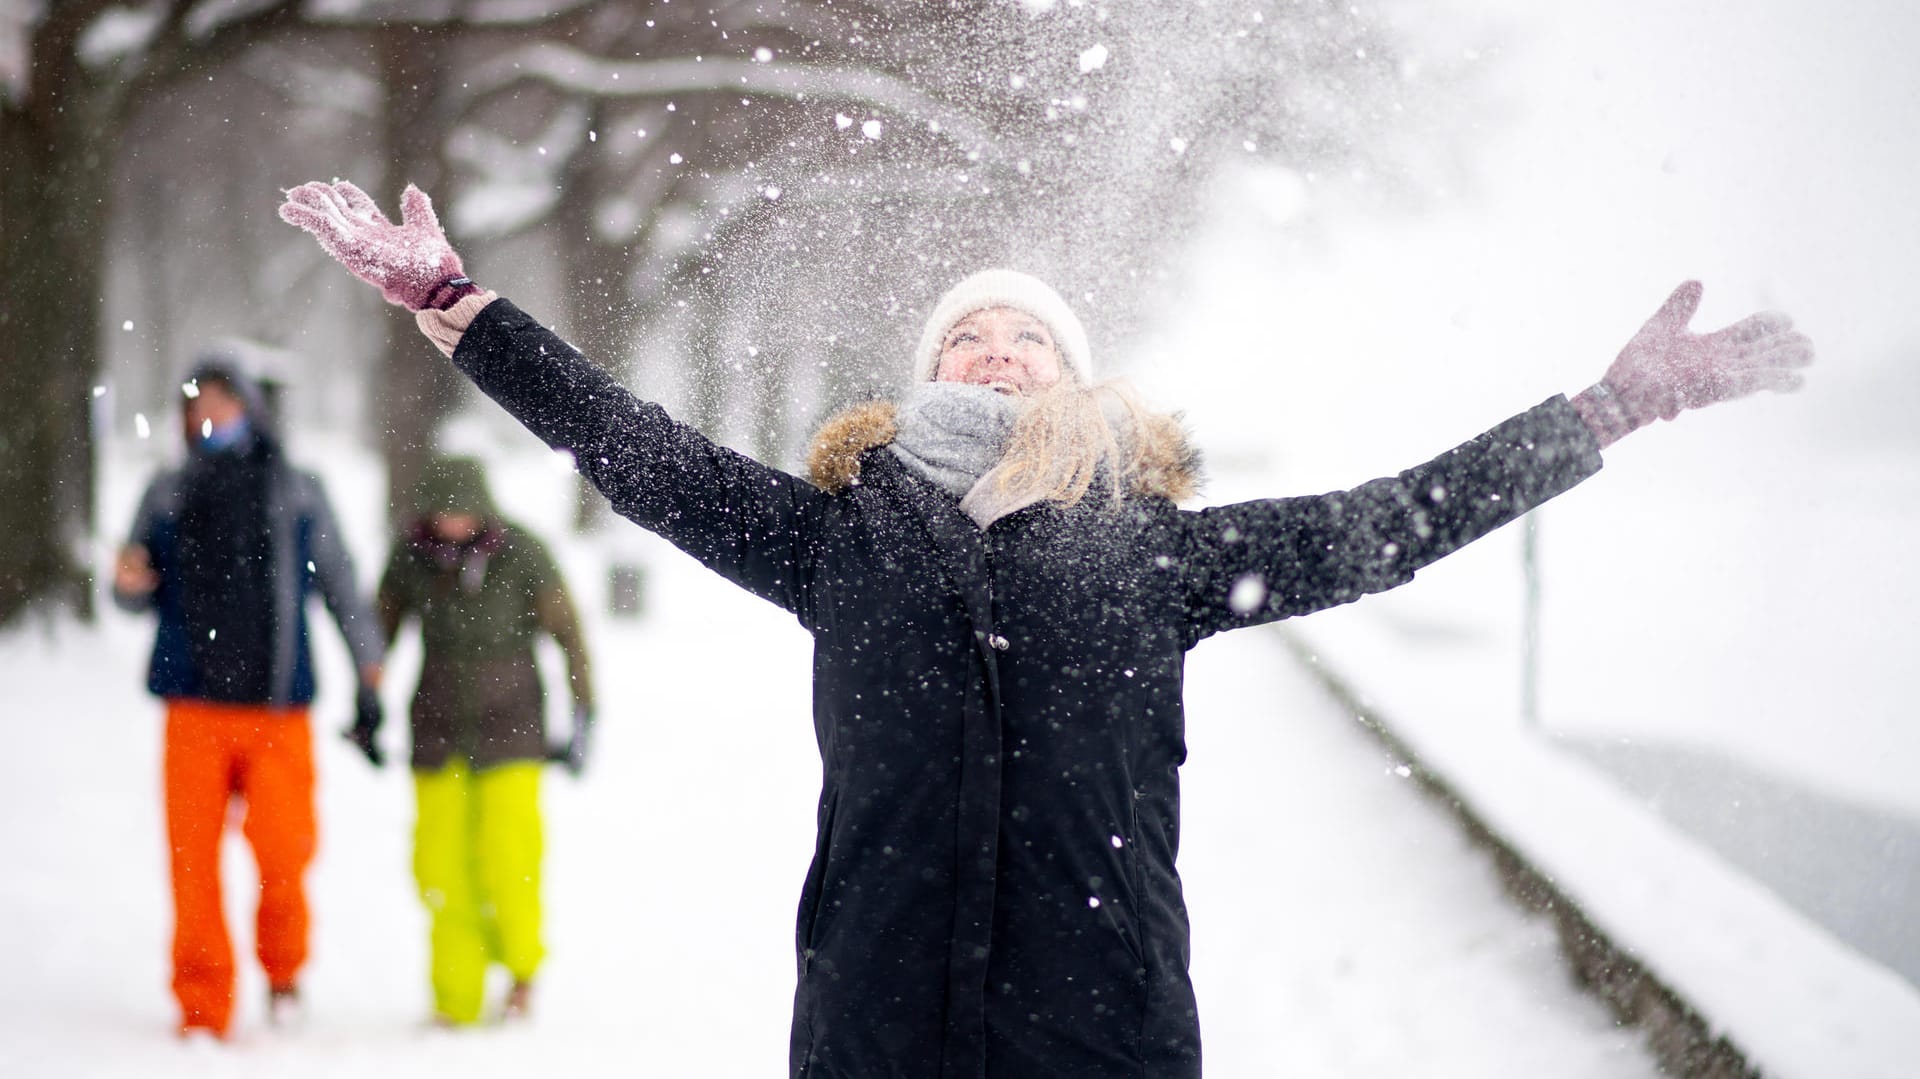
(307, 557)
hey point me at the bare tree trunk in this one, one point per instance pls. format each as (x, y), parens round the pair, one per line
(150, 393)
(413, 388)
(598, 279)
(771, 404)
(703, 366)
(53, 225)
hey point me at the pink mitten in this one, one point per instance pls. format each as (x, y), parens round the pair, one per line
(410, 263)
(1666, 368)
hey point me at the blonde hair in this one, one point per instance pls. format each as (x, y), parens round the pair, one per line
(1070, 437)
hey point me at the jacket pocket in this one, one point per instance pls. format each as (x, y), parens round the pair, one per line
(1124, 920)
(1136, 888)
(812, 893)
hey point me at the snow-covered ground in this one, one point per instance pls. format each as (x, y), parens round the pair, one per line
(1342, 927)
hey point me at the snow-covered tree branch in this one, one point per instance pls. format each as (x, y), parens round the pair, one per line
(573, 71)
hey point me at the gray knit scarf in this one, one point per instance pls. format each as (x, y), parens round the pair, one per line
(951, 434)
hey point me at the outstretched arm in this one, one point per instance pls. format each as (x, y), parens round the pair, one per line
(744, 520)
(1259, 561)
(1255, 562)
(1668, 368)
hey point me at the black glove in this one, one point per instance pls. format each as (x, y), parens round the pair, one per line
(573, 755)
(366, 723)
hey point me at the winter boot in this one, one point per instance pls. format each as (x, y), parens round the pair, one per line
(519, 1003)
(285, 1013)
(199, 1036)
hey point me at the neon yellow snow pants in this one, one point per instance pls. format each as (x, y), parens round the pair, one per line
(476, 857)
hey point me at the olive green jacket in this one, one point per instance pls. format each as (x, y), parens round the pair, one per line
(481, 606)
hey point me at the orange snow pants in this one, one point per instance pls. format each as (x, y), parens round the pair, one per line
(264, 755)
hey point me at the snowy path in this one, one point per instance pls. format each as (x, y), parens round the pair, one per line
(1342, 927)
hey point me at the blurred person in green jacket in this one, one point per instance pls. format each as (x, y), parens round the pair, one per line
(483, 589)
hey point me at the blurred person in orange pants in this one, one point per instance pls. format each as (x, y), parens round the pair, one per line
(484, 590)
(225, 551)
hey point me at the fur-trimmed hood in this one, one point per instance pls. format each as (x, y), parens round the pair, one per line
(1171, 465)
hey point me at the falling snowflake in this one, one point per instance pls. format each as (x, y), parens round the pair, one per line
(1248, 594)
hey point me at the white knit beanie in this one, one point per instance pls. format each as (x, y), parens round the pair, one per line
(1004, 288)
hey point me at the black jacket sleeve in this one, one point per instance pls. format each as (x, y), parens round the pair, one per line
(748, 522)
(1256, 562)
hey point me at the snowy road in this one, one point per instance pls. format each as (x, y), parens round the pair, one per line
(1342, 928)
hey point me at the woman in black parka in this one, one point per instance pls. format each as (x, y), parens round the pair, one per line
(1002, 593)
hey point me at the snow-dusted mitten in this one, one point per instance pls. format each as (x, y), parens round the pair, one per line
(410, 263)
(1667, 368)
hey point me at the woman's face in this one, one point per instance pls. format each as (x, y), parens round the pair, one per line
(1002, 348)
